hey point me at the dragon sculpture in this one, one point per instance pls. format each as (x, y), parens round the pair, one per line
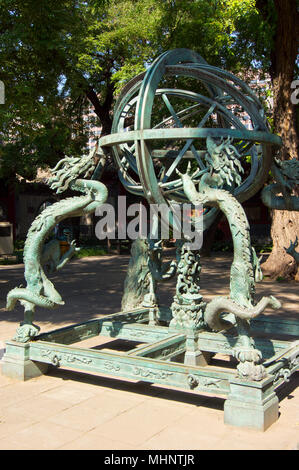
(286, 174)
(187, 307)
(146, 268)
(39, 290)
(51, 255)
(213, 191)
(224, 171)
(291, 250)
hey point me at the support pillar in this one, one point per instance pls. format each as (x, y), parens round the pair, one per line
(193, 356)
(17, 365)
(251, 404)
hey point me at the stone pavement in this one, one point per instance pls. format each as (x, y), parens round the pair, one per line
(68, 409)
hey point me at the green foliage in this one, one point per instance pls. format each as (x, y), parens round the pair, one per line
(19, 244)
(253, 36)
(92, 251)
(223, 246)
(38, 124)
(17, 257)
(120, 40)
(263, 248)
(280, 279)
(8, 261)
(55, 56)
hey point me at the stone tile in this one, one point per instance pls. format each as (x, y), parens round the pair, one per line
(247, 443)
(71, 393)
(202, 432)
(203, 421)
(95, 441)
(116, 401)
(81, 418)
(40, 408)
(94, 412)
(73, 409)
(279, 436)
(139, 424)
(11, 422)
(189, 399)
(235, 444)
(6, 381)
(17, 392)
(40, 437)
(174, 438)
(178, 409)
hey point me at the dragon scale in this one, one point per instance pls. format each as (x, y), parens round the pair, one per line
(242, 274)
(39, 290)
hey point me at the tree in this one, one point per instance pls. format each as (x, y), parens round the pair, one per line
(120, 39)
(38, 123)
(266, 34)
(57, 58)
(283, 54)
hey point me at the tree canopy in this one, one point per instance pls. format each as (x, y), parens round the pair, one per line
(58, 58)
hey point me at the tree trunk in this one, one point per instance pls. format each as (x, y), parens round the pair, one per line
(285, 224)
(103, 111)
(283, 231)
(103, 108)
(283, 59)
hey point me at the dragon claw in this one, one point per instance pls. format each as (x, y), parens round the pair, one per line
(276, 304)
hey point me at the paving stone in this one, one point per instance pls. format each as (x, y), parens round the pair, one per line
(75, 410)
(139, 424)
(40, 436)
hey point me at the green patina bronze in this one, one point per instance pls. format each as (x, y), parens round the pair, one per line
(173, 145)
(39, 290)
(291, 250)
(286, 174)
(145, 270)
(242, 277)
(51, 258)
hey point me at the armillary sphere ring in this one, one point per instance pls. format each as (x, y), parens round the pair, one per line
(220, 104)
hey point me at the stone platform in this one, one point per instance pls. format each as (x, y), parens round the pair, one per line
(72, 410)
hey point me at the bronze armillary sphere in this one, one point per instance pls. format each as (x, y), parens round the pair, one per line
(159, 124)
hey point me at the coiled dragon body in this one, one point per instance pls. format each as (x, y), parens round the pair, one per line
(39, 290)
(224, 169)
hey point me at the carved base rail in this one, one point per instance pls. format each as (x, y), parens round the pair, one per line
(89, 329)
(160, 359)
(226, 343)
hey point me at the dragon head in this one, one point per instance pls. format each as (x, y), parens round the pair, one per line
(223, 160)
(69, 169)
(286, 172)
